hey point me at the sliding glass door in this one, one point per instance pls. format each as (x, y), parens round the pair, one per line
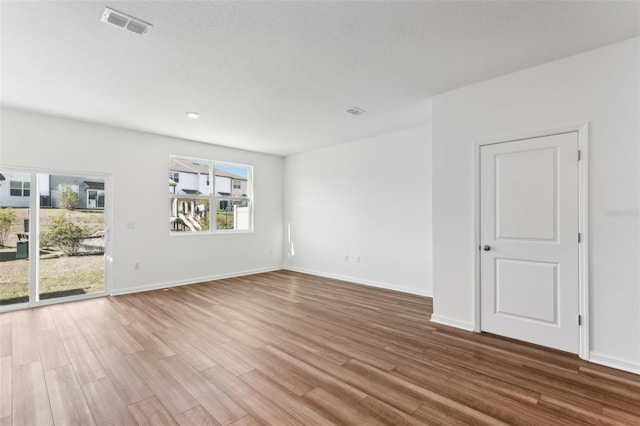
(55, 238)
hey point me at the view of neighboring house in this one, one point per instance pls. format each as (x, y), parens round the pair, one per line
(16, 191)
(192, 178)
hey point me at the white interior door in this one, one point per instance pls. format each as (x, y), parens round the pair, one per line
(529, 263)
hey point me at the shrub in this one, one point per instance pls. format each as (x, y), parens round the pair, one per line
(69, 199)
(63, 234)
(7, 217)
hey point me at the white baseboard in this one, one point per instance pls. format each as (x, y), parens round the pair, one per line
(609, 361)
(452, 322)
(361, 281)
(158, 286)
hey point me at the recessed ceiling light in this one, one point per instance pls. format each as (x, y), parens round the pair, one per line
(356, 111)
(125, 21)
(193, 115)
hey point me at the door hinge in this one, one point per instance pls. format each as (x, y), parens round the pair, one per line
(579, 319)
(579, 155)
(579, 237)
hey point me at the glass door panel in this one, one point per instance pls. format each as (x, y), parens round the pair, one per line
(72, 237)
(15, 200)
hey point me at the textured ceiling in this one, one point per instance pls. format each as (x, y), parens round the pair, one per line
(278, 76)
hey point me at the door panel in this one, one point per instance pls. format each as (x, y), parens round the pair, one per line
(532, 173)
(526, 289)
(529, 224)
(72, 241)
(15, 263)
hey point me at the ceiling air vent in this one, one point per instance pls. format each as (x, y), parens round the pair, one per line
(356, 111)
(127, 22)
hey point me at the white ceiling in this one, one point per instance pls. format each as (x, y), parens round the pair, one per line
(278, 76)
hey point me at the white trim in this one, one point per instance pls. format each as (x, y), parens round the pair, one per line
(360, 281)
(583, 207)
(609, 361)
(452, 322)
(14, 307)
(68, 299)
(177, 283)
(583, 247)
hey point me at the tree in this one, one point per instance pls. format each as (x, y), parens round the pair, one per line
(7, 217)
(69, 199)
(64, 234)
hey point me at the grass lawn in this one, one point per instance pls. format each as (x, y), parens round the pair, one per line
(58, 277)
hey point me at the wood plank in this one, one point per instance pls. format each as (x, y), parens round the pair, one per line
(52, 351)
(220, 355)
(153, 346)
(167, 389)
(387, 414)
(264, 410)
(339, 410)
(197, 359)
(212, 399)
(197, 416)
(247, 420)
(30, 398)
(67, 400)
(5, 340)
(6, 385)
(83, 359)
(24, 343)
(289, 401)
(106, 405)
(318, 376)
(151, 412)
(373, 384)
(273, 367)
(124, 376)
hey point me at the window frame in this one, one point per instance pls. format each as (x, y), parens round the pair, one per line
(23, 191)
(211, 195)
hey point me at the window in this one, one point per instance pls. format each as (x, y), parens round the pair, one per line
(174, 176)
(211, 196)
(19, 189)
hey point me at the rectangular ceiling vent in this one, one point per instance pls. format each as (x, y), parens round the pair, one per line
(356, 111)
(127, 22)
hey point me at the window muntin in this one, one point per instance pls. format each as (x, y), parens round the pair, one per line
(209, 196)
(19, 188)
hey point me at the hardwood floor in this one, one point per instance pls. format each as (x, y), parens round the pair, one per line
(284, 348)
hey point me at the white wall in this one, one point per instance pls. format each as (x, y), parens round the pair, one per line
(138, 165)
(600, 87)
(369, 199)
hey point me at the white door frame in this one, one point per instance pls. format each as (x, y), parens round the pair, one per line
(583, 247)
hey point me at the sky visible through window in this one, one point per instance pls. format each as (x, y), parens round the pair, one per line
(236, 170)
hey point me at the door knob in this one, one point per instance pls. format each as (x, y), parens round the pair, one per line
(486, 247)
